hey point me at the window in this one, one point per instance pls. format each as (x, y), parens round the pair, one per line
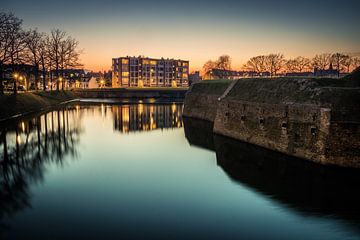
(125, 61)
(125, 74)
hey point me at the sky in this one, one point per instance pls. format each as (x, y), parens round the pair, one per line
(196, 30)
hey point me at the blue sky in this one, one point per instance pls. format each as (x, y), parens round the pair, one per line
(197, 30)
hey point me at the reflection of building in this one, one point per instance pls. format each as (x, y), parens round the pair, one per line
(146, 117)
(149, 72)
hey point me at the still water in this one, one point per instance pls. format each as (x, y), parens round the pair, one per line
(140, 171)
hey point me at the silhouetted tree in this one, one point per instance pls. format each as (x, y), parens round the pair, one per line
(347, 63)
(11, 43)
(223, 62)
(34, 43)
(321, 61)
(256, 64)
(337, 59)
(355, 62)
(208, 66)
(274, 63)
(56, 38)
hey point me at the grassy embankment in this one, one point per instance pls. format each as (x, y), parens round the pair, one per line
(24, 103)
(216, 87)
(322, 91)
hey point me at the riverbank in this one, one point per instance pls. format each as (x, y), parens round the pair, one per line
(313, 119)
(15, 105)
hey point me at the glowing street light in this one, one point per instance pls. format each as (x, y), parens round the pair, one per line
(102, 83)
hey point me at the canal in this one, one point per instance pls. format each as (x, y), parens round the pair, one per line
(141, 171)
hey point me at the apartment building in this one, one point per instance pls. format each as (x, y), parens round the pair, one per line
(149, 72)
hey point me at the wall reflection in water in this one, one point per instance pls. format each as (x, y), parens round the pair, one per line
(300, 185)
(147, 117)
(27, 146)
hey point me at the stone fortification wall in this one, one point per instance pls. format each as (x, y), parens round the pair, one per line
(201, 101)
(307, 118)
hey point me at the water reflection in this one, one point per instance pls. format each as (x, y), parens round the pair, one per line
(27, 146)
(147, 117)
(302, 186)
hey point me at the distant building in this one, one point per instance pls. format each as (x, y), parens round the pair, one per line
(194, 77)
(25, 72)
(149, 72)
(299, 74)
(331, 72)
(72, 78)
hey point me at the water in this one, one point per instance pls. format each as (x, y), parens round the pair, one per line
(134, 172)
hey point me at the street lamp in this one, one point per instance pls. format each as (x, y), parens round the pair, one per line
(60, 81)
(16, 75)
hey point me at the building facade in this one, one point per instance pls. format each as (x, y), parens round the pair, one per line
(149, 72)
(194, 77)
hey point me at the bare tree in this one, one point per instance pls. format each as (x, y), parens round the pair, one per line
(291, 65)
(224, 62)
(256, 64)
(321, 61)
(299, 64)
(69, 54)
(274, 63)
(44, 58)
(11, 43)
(207, 68)
(337, 59)
(302, 64)
(347, 63)
(355, 62)
(34, 42)
(56, 38)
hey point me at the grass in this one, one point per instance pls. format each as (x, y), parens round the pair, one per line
(216, 87)
(321, 91)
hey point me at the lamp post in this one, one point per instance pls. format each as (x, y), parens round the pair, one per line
(15, 76)
(60, 81)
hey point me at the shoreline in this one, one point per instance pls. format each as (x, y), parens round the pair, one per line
(19, 105)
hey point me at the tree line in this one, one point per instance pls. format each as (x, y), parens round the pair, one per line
(276, 63)
(48, 52)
